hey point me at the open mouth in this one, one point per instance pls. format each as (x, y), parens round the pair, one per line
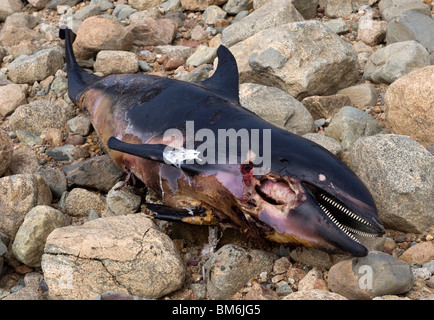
(350, 223)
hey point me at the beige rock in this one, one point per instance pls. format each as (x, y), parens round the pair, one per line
(24, 161)
(80, 201)
(12, 96)
(39, 4)
(112, 62)
(325, 106)
(29, 242)
(99, 33)
(421, 253)
(314, 294)
(361, 95)
(153, 32)
(18, 195)
(289, 57)
(409, 103)
(144, 4)
(8, 7)
(40, 115)
(195, 5)
(36, 67)
(372, 32)
(123, 253)
(6, 150)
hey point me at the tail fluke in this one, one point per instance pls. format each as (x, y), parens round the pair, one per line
(78, 79)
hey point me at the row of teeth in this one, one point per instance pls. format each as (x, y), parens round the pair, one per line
(345, 229)
(345, 210)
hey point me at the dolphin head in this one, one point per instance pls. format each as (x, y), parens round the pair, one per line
(311, 198)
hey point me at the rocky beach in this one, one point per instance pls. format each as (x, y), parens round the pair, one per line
(355, 76)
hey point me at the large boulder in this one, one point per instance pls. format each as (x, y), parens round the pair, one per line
(302, 58)
(126, 254)
(409, 105)
(411, 25)
(392, 62)
(399, 173)
(100, 33)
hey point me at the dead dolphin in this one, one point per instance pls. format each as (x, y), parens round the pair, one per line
(304, 195)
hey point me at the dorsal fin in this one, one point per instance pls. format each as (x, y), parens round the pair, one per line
(225, 78)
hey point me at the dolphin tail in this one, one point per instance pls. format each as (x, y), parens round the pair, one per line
(78, 79)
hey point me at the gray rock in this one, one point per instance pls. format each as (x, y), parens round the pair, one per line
(29, 242)
(236, 6)
(112, 62)
(399, 173)
(40, 115)
(6, 150)
(198, 74)
(59, 86)
(181, 52)
(111, 254)
(202, 55)
(267, 59)
(338, 25)
(392, 62)
(375, 275)
(411, 25)
(327, 142)
(18, 195)
(67, 152)
(86, 12)
(271, 14)
(429, 265)
(212, 13)
(407, 101)
(277, 107)
(8, 7)
(79, 202)
(361, 95)
(171, 5)
(229, 268)
(392, 8)
(54, 3)
(307, 8)
(98, 172)
(304, 73)
(28, 69)
(79, 125)
(126, 12)
(27, 138)
(349, 124)
(103, 4)
(55, 179)
(339, 8)
(123, 201)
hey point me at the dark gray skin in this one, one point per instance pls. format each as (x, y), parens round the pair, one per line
(308, 197)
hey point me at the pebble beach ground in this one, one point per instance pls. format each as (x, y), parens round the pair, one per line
(365, 92)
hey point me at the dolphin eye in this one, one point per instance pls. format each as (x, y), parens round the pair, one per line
(275, 192)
